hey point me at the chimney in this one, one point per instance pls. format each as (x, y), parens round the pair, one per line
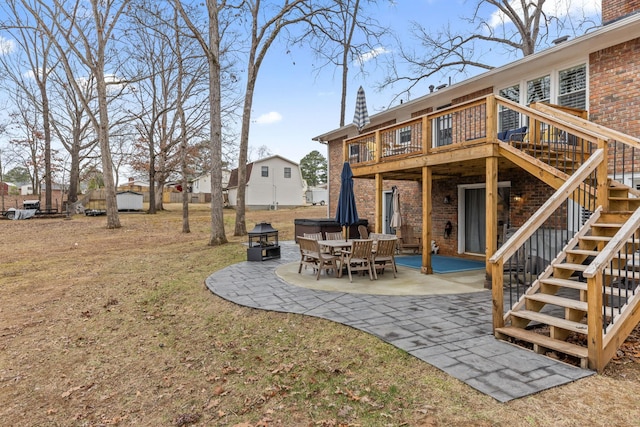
(612, 10)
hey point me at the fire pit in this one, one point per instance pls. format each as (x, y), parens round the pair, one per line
(263, 243)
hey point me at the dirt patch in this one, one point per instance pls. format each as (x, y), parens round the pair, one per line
(115, 327)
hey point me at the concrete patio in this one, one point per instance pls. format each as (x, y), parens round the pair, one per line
(444, 320)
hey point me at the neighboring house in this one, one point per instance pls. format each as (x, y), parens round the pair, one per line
(273, 182)
(489, 158)
(202, 184)
(26, 189)
(136, 185)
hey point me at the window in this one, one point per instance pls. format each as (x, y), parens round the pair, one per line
(572, 87)
(354, 153)
(539, 90)
(287, 172)
(404, 135)
(507, 118)
(265, 171)
(442, 130)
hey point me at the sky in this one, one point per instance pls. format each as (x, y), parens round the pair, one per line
(293, 104)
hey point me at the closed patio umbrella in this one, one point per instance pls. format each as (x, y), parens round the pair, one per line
(396, 219)
(361, 116)
(346, 212)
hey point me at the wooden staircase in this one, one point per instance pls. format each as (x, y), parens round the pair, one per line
(551, 317)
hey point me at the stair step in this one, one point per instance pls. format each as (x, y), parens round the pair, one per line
(559, 301)
(596, 238)
(573, 284)
(622, 273)
(565, 283)
(570, 266)
(582, 252)
(606, 225)
(544, 341)
(569, 325)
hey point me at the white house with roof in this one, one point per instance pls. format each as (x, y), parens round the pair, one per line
(273, 182)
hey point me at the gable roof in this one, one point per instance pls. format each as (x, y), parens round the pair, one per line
(233, 178)
(572, 50)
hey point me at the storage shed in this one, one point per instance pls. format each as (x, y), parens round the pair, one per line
(129, 201)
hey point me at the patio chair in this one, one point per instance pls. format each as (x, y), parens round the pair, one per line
(311, 256)
(359, 258)
(383, 256)
(333, 235)
(364, 232)
(314, 236)
(408, 241)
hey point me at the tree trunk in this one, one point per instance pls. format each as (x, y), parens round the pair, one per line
(218, 235)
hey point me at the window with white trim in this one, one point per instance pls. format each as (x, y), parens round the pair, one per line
(507, 118)
(265, 171)
(404, 135)
(572, 87)
(443, 130)
(287, 172)
(539, 90)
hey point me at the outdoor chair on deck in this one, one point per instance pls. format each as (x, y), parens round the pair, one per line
(359, 258)
(310, 255)
(383, 256)
(408, 241)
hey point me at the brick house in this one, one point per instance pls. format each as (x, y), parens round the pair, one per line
(602, 69)
(544, 149)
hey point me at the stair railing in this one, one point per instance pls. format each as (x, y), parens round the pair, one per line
(552, 216)
(613, 293)
(624, 150)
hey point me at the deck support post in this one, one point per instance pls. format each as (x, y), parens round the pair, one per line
(426, 220)
(497, 291)
(594, 323)
(378, 202)
(491, 212)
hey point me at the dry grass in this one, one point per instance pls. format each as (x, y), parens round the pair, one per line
(115, 327)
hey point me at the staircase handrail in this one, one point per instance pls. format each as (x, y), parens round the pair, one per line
(554, 202)
(606, 133)
(589, 133)
(613, 246)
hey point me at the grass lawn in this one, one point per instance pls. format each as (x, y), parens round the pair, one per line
(115, 327)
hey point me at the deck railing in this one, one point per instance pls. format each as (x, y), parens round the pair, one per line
(526, 256)
(463, 123)
(614, 291)
(578, 158)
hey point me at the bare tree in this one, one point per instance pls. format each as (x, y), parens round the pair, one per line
(85, 32)
(73, 128)
(343, 34)
(266, 21)
(213, 48)
(171, 95)
(518, 27)
(34, 54)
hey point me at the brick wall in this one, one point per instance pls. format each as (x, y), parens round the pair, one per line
(615, 9)
(614, 87)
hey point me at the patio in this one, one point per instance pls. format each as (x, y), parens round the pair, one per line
(449, 331)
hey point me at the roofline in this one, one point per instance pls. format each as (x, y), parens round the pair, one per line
(611, 34)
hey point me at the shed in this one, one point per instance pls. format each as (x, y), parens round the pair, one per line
(129, 201)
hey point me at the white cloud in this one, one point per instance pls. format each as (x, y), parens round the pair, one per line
(6, 46)
(269, 118)
(368, 56)
(557, 8)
